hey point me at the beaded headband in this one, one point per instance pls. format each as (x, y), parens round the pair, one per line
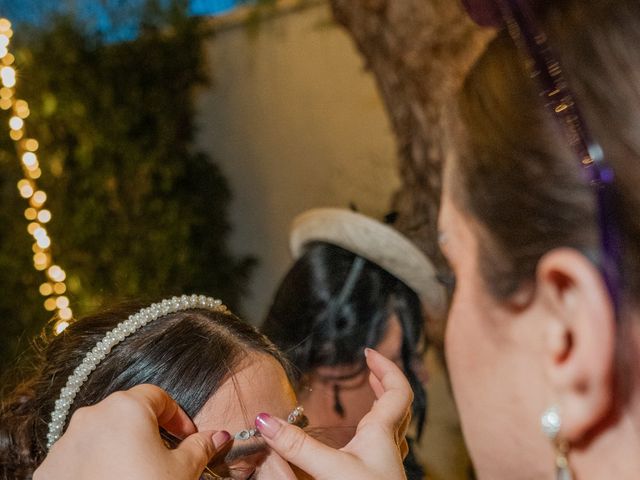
(110, 340)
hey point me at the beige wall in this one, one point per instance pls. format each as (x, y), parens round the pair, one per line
(295, 122)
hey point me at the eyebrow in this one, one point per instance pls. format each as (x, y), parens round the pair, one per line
(245, 450)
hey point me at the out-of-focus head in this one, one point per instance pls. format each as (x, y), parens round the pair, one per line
(344, 293)
(531, 323)
(219, 369)
(324, 336)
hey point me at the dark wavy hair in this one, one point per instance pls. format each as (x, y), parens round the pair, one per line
(189, 354)
(333, 303)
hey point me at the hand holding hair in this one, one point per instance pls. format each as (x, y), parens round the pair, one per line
(376, 451)
(118, 438)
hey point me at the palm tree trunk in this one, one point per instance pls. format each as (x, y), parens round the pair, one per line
(418, 52)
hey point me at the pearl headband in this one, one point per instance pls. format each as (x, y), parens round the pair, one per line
(110, 340)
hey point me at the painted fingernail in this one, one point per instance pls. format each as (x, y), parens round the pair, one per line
(267, 425)
(220, 438)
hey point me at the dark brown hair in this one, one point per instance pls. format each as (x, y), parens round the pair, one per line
(514, 171)
(189, 354)
(317, 323)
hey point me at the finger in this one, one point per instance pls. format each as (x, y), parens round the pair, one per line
(391, 407)
(376, 385)
(404, 426)
(404, 449)
(198, 449)
(168, 413)
(295, 446)
(386, 372)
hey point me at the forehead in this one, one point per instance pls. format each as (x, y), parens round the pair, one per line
(258, 385)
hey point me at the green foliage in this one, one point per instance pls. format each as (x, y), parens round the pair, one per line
(137, 212)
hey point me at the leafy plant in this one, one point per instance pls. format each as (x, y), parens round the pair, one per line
(137, 211)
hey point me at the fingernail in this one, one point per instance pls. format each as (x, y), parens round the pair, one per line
(267, 425)
(220, 438)
(366, 352)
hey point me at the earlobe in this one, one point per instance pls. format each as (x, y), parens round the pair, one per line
(580, 328)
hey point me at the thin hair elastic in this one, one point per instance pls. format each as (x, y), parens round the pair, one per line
(91, 360)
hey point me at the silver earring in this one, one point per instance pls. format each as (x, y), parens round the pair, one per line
(551, 423)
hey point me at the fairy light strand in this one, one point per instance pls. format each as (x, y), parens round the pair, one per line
(54, 288)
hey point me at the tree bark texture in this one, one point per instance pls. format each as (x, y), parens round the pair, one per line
(418, 52)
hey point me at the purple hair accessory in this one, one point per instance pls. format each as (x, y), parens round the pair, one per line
(484, 12)
(519, 18)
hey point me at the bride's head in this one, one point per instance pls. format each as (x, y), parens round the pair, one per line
(220, 370)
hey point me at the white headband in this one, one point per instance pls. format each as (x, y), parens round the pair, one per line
(110, 340)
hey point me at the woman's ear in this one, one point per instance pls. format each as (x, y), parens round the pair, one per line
(580, 337)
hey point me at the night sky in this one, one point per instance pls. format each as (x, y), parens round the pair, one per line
(95, 11)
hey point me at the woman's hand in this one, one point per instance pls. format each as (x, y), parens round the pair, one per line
(118, 438)
(377, 449)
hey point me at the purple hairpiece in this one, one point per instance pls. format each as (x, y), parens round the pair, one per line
(522, 26)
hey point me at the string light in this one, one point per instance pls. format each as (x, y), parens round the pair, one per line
(15, 122)
(46, 289)
(54, 288)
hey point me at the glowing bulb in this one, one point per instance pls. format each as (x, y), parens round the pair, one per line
(35, 173)
(65, 313)
(41, 261)
(50, 304)
(56, 273)
(39, 233)
(3, 51)
(31, 144)
(22, 108)
(40, 258)
(54, 270)
(6, 92)
(62, 326)
(36, 248)
(62, 302)
(44, 242)
(16, 123)
(5, 104)
(5, 24)
(8, 76)
(26, 190)
(43, 216)
(59, 288)
(31, 214)
(16, 134)
(4, 40)
(30, 160)
(8, 59)
(23, 113)
(46, 289)
(39, 197)
(33, 226)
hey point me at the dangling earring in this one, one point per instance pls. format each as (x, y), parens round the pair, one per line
(337, 404)
(551, 422)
